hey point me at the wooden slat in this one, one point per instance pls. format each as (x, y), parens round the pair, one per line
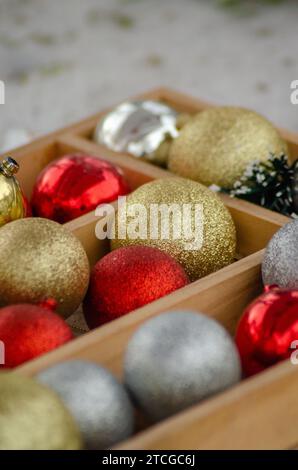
(255, 225)
(259, 413)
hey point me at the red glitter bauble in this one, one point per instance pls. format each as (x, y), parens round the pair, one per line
(129, 278)
(27, 331)
(267, 329)
(74, 185)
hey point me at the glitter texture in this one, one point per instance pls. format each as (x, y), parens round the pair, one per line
(176, 360)
(32, 417)
(42, 259)
(295, 188)
(28, 331)
(98, 402)
(219, 234)
(127, 279)
(280, 263)
(216, 146)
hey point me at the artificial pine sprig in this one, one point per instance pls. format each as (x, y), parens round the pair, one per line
(268, 184)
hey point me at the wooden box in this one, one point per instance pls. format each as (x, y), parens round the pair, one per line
(260, 412)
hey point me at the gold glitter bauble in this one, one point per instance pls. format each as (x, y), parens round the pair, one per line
(217, 145)
(41, 259)
(12, 204)
(32, 417)
(218, 231)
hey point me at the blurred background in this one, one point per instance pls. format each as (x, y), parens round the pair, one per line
(62, 60)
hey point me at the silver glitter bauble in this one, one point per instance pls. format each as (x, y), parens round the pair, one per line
(177, 359)
(295, 188)
(99, 403)
(280, 263)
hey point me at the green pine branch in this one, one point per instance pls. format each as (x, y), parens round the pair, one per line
(268, 184)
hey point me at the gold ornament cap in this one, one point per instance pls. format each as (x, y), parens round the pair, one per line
(12, 205)
(9, 167)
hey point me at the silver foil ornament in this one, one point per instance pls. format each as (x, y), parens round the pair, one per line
(280, 263)
(137, 127)
(176, 360)
(99, 404)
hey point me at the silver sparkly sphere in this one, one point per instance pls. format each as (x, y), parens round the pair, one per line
(295, 188)
(97, 401)
(280, 263)
(177, 359)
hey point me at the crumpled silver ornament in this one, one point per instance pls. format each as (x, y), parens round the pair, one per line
(176, 360)
(280, 263)
(137, 127)
(99, 404)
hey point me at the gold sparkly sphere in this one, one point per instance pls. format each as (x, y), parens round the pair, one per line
(41, 259)
(32, 417)
(207, 239)
(12, 205)
(217, 145)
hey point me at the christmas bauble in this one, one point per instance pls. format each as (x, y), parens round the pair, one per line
(97, 401)
(139, 128)
(74, 185)
(176, 360)
(280, 263)
(41, 259)
(268, 329)
(27, 331)
(217, 145)
(182, 218)
(12, 204)
(32, 417)
(127, 279)
(295, 188)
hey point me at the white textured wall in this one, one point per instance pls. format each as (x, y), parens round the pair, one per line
(64, 59)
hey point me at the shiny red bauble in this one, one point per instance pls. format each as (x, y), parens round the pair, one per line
(268, 329)
(27, 331)
(74, 185)
(127, 279)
